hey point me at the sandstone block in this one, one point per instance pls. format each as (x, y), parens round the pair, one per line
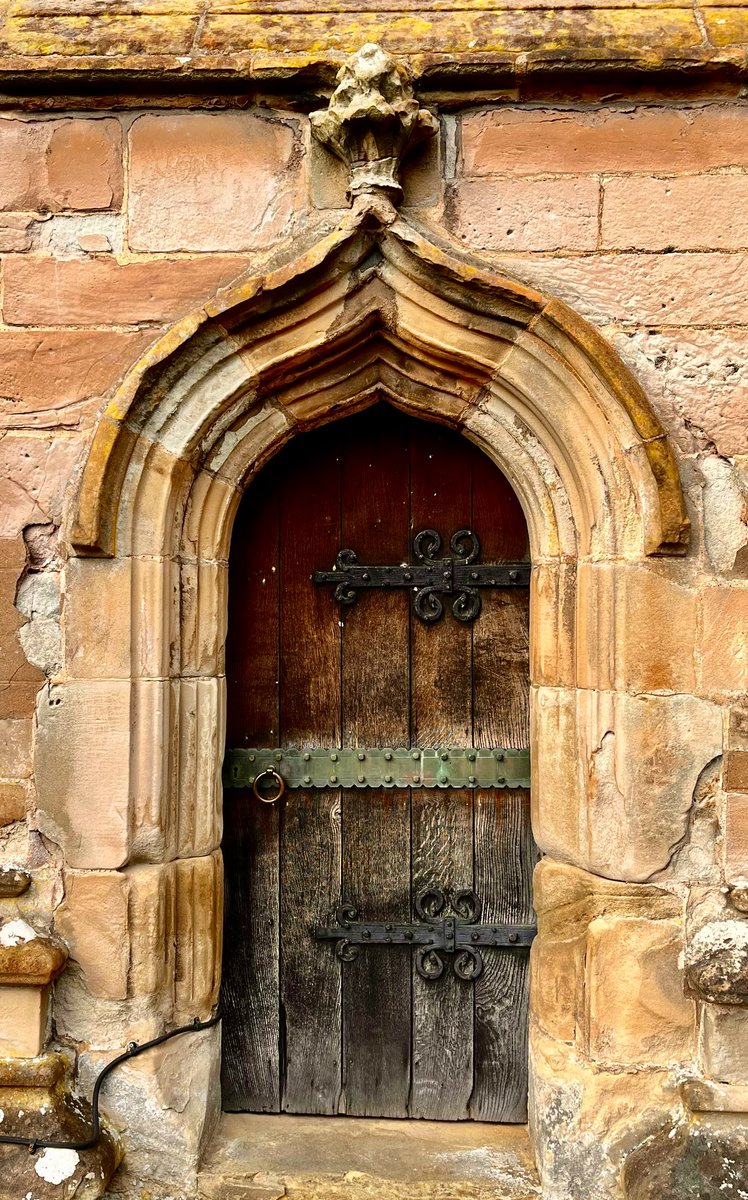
(736, 836)
(44, 291)
(636, 628)
(696, 380)
(56, 165)
(636, 1010)
(725, 652)
(34, 473)
(645, 755)
(527, 141)
(23, 1021)
(725, 528)
(153, 922)
(93, 922)
(13, 800)
(224, 181)
(704, 1156)
(688, 213)
(553, 600)
(119, 617)
(640, 289)
(199, 934)
(738, 727)
(52, 378)
(723, 1041)
(15, 746)
(83, 771)
(735, 774)
(166, 1104)
(15, 232)
(509, 214)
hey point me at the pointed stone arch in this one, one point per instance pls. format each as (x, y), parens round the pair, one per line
(130, 736)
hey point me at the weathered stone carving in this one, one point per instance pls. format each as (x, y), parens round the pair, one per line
(717, 962)
(372, 121)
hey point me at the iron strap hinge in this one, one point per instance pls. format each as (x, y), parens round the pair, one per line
(381, 767)
(433, 936)
(429, 577)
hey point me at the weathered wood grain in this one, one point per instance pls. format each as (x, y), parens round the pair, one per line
(505, 855)
(310, 972)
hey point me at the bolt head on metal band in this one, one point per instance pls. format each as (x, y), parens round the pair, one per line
(268, 797)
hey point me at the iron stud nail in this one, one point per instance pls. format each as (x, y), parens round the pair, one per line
(416, 778)
(474, 936)
(361, 778)
(252, 758)
(307, 756)
(409, 935)
(366, 576)
(471, 778)
(471, 756)
(388, 779)
(407, 576)
(388, 755)
(431, 928)
(278, 757)
(388, 939)
(444, 756)
(501, 779)
(512, 575)
(499, 757)
(307, 779)
(333, 757)
(513, 937)
(361, 756)
(414, 754)
(333, 779)
(365, 933)
(388, 927)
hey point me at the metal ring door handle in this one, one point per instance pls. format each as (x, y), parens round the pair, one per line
(266, 797)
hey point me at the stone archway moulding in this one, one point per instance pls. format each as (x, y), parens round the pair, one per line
(373, 310)
(130, 734)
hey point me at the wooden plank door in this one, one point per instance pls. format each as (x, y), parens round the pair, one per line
(303, 1031)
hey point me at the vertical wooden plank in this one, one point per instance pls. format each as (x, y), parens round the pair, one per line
(505, 856)
(376, 824)
(442, 822)
(310, 825)
(376, 985)
(310, 634)
(252, 713)
(442, 1010)
(501, 634)
(375, 523)
(310, 971)
(504, 849)
(250, 1074)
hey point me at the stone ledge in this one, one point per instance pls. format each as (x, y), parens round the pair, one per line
(701, 1095)
(504, 40)
(34, 963)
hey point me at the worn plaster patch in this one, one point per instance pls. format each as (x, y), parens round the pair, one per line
(13, 933)
(55, 1166)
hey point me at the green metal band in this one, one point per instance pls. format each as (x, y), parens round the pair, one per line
(381, 767)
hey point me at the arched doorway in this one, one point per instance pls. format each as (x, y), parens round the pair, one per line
(377, 930)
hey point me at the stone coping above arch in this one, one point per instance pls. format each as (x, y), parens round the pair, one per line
(378, 310)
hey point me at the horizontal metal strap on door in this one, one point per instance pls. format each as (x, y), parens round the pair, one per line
(381, 767)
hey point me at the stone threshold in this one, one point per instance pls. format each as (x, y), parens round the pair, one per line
(255, 1157)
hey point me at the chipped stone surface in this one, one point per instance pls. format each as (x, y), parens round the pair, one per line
(717, 962)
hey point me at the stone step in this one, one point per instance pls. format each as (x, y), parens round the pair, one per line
(255, 1157)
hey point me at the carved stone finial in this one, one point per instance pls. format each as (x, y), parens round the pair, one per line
(372, 121)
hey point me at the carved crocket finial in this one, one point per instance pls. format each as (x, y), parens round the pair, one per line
(372, 121)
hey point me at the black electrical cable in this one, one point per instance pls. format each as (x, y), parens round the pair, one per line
(132, 1051)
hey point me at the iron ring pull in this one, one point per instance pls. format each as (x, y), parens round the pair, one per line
(279, 781)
